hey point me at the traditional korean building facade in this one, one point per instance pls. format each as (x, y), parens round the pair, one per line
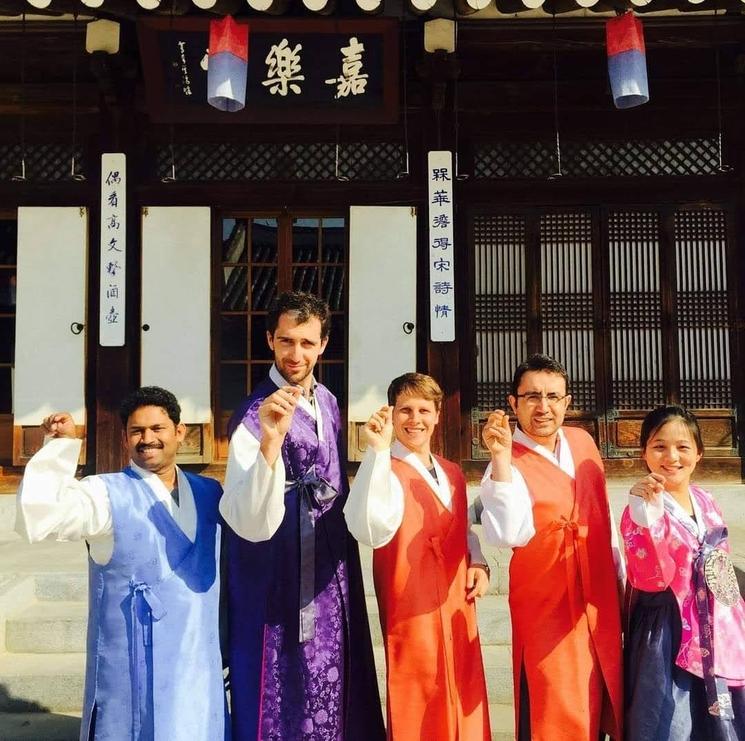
(611, 239)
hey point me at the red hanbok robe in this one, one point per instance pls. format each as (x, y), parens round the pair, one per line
(564, 600)
(435, 676)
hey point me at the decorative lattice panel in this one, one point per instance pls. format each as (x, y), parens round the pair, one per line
(566, 299)
(702, 309)
(597, 159)
(44, 162)
(499, 305)
(635, 310)
(225, 161)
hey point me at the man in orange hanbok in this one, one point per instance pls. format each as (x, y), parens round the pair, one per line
(428, 568)
(544, 495)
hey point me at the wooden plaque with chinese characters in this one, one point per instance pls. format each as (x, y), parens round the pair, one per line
(299, 70)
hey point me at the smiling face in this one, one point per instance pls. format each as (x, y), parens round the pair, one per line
(540, 405)
(414, 421)
(152, 439)
(297, 348)
(671, 452)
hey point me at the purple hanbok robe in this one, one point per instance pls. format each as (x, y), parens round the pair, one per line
(301, 661)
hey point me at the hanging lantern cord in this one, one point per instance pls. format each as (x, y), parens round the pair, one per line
(558, 173)
(21, 176)
(171, 132)
(74, 174)
(722, 167)
(404, 173)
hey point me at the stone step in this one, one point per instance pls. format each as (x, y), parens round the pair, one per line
(39, 726)
(65, 587)
(492, 612)
(47, 627)
(42, 682)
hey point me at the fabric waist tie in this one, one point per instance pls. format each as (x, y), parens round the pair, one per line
(578, 572)
(312, 490)
(143, 602)
(718, 697)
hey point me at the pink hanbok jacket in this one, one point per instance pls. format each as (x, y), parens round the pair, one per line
(662, 555)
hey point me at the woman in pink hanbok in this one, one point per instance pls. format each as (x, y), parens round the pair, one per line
(685, 670)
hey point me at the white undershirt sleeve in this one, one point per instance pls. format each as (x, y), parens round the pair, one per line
(508, 510)
(52, 503)
(253, 502)
(375, 505)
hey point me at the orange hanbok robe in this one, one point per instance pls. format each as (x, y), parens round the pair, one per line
(564, 600)
(436, 689)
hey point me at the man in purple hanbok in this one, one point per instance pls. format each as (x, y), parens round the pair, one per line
(301, 662)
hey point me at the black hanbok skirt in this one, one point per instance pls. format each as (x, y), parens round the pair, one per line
(663, 701)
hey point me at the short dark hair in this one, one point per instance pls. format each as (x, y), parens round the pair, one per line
(538, 362)
(302, 306)
(415, 384)
(661, 416)
(150, 396)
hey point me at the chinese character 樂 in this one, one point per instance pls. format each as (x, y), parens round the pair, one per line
(442, 311)
(440, 173)
(440, 221)
(284, 68)
(352, 80)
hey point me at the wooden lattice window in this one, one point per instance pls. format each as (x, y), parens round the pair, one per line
(702, 309)
(261, 256)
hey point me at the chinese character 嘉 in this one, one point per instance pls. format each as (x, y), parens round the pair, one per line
(352, 80)
(441, 265)
(444, 286)
(441, 221)
(440, 173)
(442, 311)
(284, 68)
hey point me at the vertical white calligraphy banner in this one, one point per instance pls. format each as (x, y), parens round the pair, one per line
(441, 247)
(113, 249)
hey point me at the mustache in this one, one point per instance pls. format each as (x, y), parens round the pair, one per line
(148, 446)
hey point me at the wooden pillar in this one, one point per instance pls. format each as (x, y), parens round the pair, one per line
(114, 373)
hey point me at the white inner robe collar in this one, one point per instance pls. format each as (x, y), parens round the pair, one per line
(696, 527)
(441, 487)
(561, 456)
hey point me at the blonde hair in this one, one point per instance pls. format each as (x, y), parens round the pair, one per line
(415, 384)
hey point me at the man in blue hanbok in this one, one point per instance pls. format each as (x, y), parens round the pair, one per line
(301, 662)
(154, 669)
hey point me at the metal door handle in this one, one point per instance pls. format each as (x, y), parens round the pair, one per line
(77, 327)
(408, 327)
(145, 327)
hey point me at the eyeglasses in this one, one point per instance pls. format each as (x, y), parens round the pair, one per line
(533, 398)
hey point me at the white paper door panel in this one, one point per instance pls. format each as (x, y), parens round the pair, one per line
(382, 303)
(176, 306)
(49, 371)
